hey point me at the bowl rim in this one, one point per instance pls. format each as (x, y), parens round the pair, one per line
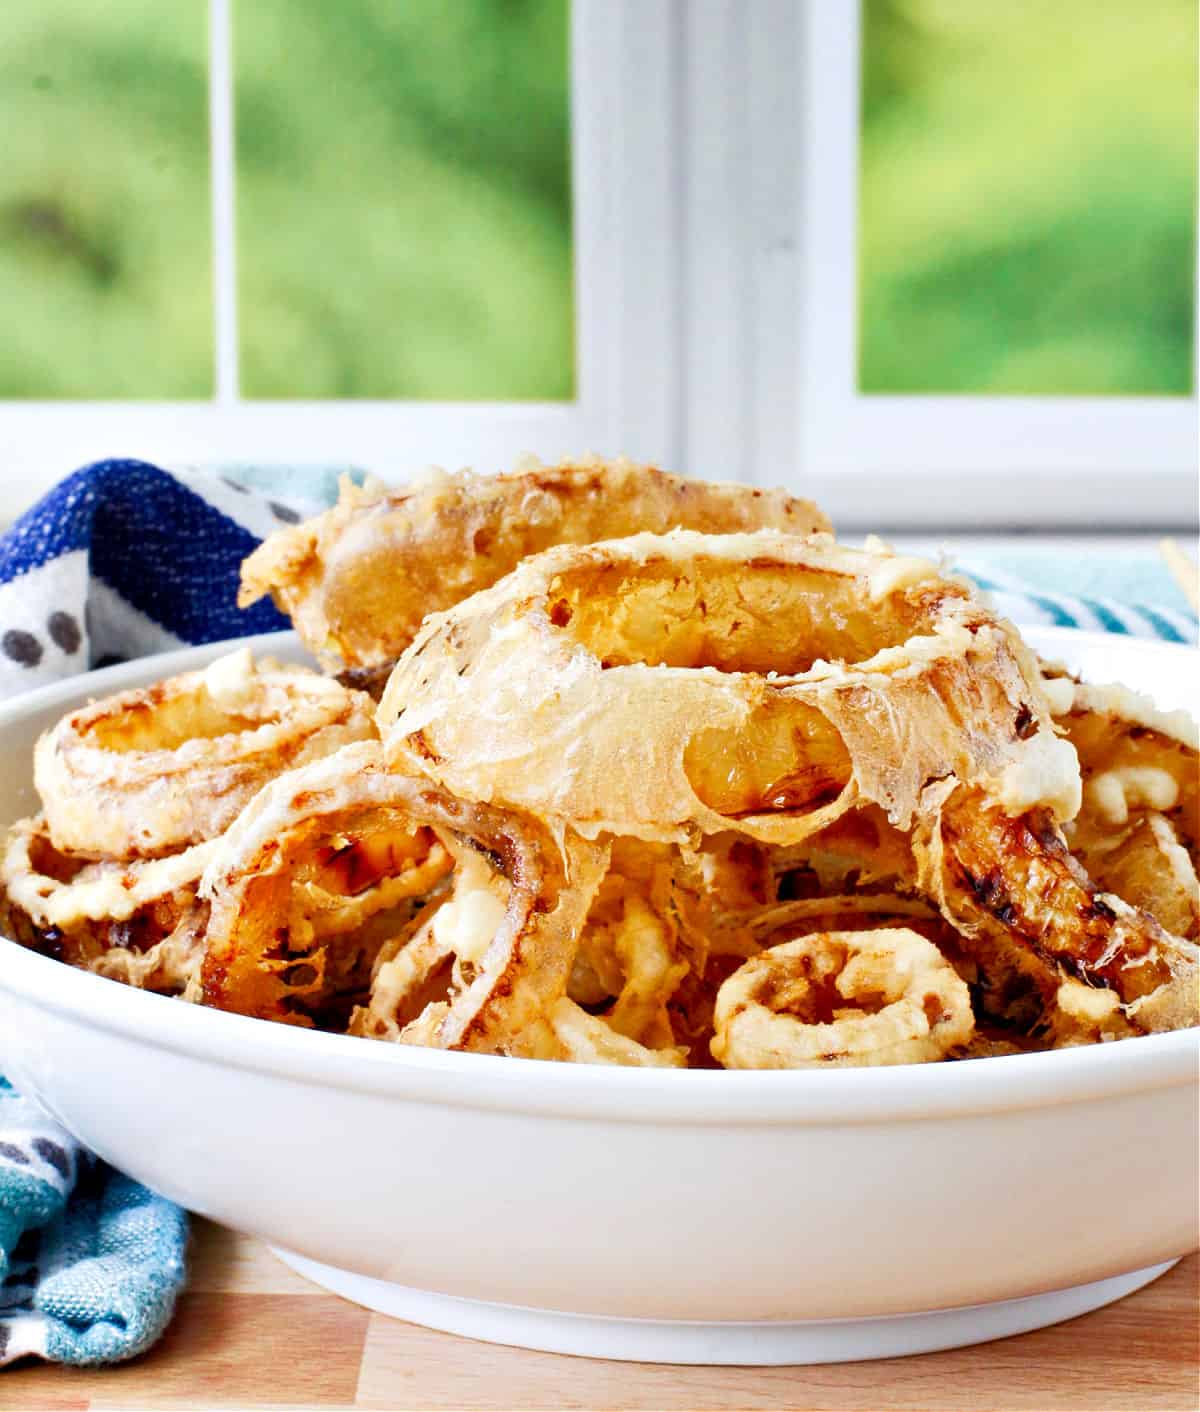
(682, 1096)
(479, 1081)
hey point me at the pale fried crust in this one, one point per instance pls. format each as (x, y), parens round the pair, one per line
(149, 771)
(358, 579)
(550, 877)
(138, 922)
(1137, 832)
(661, 686)
(834, 998)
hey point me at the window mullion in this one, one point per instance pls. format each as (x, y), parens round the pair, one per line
(223, 176)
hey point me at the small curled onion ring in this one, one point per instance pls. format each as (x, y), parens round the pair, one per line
(136, 921)
(149, 771)
(836, 999)
(406, 830)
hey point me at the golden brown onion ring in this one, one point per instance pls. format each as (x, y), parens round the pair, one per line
(1137, 832)
(1027, 909)
(159, 768)
(311, 882)
(135, 921)
(664, 686)
(1149, 868)
(358, 579)
(512, 976)
(691, 1007)
(836, 999)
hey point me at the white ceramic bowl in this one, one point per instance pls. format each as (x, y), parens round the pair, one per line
(681, 1216)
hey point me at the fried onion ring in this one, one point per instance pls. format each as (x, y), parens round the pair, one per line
(1138, 831)
(134, 921)
(833, 999)
(1150, 869)
(341, 807)
(152, 770)
(684, 683)
(358, 579)
(1028, 911)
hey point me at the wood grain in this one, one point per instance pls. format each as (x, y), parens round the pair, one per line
(250, 1333)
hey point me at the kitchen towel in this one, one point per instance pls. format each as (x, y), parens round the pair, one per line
(90, 1262)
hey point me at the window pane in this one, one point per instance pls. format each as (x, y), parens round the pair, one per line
(105, 251)
(1028, 196)
(403, 199)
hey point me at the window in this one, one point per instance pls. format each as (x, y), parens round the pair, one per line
(1027, 198)
(403, 200)
(379, 233)
(965, 166)
(105, 228)
(930, 261)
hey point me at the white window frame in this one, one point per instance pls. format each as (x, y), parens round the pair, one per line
(623, 81)
(950, 461)
(714, 164)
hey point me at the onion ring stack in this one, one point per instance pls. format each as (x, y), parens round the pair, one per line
(721, 792)
(681, 685)
(136, 789)
(358, 580)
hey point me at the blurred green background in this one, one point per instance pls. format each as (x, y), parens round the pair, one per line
(1028, 196)
(105, 254)
(403, 199)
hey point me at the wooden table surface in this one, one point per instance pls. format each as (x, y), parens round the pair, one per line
(250, 1333)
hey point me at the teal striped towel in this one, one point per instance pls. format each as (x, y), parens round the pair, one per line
(1030, 604)
(90, 1262)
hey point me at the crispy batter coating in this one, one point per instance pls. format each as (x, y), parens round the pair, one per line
(1138, 831)
(149, 771)
(664, 686)
(1035, 921)
(139, 922)
(358, 579)
(394, 834)
(315, 877)
(1148, 867)
(719, 792)
(832, 999)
